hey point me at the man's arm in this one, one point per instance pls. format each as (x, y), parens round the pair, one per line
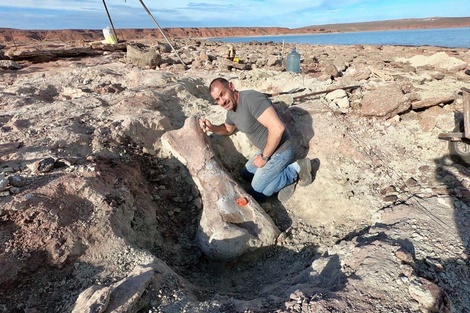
(275, 127)
(222, 129)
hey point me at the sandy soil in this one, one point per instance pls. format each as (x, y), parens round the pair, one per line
(89, 197)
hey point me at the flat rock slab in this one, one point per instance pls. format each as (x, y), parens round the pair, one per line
(227, 229)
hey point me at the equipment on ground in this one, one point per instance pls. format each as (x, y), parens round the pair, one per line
(153, 19)
(295, 90)
(459, 139)
(325, 91)
(293, 61)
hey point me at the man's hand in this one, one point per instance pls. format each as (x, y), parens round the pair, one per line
(259, 162)
(205, 125)
(223, 129)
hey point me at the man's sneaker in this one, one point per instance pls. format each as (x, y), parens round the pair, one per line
(285, 193)
(305, 172)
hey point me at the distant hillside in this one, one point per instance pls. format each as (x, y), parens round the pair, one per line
(432, 22)
(16, 36)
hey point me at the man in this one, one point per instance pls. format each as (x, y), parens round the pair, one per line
(271, 170)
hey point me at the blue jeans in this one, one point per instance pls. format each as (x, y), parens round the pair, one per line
(272, 177)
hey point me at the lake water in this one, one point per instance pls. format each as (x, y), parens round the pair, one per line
(441, 37)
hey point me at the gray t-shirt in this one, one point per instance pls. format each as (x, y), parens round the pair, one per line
(250, 106)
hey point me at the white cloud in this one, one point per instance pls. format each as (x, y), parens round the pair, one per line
(215, 13)
(53, 5)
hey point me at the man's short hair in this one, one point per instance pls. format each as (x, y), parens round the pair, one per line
(218, 80)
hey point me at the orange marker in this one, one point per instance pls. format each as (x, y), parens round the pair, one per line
(242, 201)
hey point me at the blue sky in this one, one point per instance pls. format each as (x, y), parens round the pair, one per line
(90, 14)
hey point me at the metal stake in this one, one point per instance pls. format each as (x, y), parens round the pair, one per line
(466, 112)
(110, 20)
(156, 23)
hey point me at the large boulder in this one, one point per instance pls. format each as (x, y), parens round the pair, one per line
(129, 294)
(386, 101)
(439, 60)
(143, 57)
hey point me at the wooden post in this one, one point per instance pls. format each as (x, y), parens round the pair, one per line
(282, 53)
(12, 39)
(325, 91)
(466, 112)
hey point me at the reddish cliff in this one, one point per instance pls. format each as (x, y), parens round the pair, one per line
(22, 36)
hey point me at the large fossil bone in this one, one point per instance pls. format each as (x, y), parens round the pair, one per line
(227, 229)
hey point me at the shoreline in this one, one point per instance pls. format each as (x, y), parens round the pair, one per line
(342, 32)
(403, 37)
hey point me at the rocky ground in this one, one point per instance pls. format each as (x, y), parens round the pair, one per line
(96, 216)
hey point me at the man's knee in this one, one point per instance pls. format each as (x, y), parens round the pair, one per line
(259, 196)
(246, 175)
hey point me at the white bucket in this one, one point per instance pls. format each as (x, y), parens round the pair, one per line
(109, 36)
